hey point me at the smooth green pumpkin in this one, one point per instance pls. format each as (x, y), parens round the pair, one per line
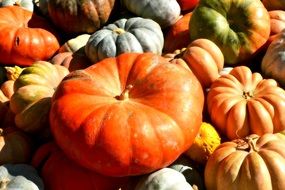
(164, 179)
(20, 176)
(239, 28)
(165, 13)
(123, 36)
(33, 90)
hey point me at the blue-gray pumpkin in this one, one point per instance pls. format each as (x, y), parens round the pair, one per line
(20, 176)
(135, 34)
(164, 12)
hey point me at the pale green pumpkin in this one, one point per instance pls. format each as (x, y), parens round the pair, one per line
(26, 4)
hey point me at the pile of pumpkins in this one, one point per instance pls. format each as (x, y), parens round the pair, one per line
(109, 95)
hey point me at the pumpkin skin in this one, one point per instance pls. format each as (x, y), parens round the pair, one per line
(274, 4)
(33, 90)
(20, 176)
(72, 60)
(57, 171)
(86, 16)
(277, 23)
(162, 12)
(242, 103)
(253, 163)
(204, 58)
(74, 44)
(272, 64)
(25, 37)
(123, 36)
(239, 28)
(187, 5)
(26, 4)
(164, 179)
(117, 107)
(180, 32)
(15, 146)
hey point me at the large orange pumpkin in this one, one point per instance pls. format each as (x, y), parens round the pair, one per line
(253, 163)
(25, 37)
(241, 103)
(127, 115)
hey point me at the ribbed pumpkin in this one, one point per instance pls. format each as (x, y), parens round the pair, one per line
(73, 16)
(26, 4)
(132, 114)
(57, 172)
(242, 103)
(20, 176)
(33, 90)
(239, 28)
(135, 34)
(165, 13)
(203, 57)
(25, 37)
(252, 163)
(273, 62)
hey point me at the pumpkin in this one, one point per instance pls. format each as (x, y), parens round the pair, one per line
(20, 176)
(6, 91)
(33, 90)
(162, 12)
(114, 114)
(15, 146)
(204, 58)
(242, 103)
(74, 44)
(274, 4)
(277, 23)
(72, 16)
(239, 28)
(25, 37)
(251, 163)
(72, 60)
(135, 34)
(57, 171)
(191, 171)
(164, 179)
(273, 63)
(180, 32)
(26, 4)
(187, 5)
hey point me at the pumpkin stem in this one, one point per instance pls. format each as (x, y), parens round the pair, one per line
(125, 94)
(13, 73)
(247, 144)
(119, 31)
(247, 94)
(4, 183)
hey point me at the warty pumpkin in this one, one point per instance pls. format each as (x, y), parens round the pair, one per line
(25, 37)
(251, 163)
(242, 103)
(127, 115)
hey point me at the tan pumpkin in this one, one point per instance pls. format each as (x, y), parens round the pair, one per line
(203, 57)
(242, 103)
(253, 163)
(273, 61)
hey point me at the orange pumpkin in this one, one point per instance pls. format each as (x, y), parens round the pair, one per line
(134, 114)
(24, 37)
(203, 57)
(177, 37)
(60, 173)
(274, 4)
(241, 103)
(253, 163)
